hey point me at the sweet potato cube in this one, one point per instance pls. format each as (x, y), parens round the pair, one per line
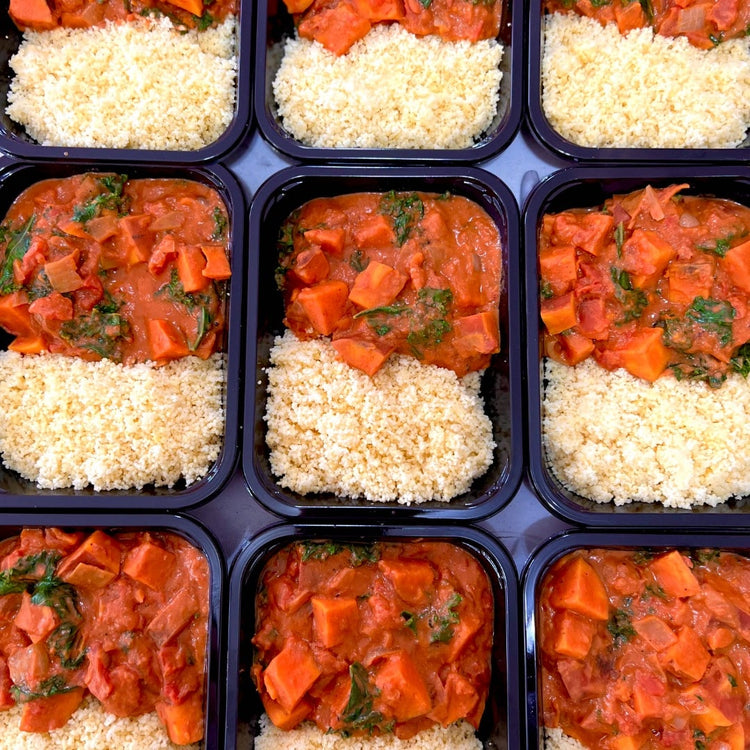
(573, 634)
(334, 618)
(173, 617)
(165, 340)
(463, 634)
(578, 587)
(645, 255)
(191, 6)
(410, 579)
(217, 263)
(379, 284)
(737, 264)
(149, 563)
(575, 347)
(374, 231)
(368, 356)
(283, 719)
(688, 280)
(14, 314)
(644, 355)
(558, 267)
(63, 273)
(687, 657)
(705, 714)
(98, 549)
(101, 228)
(89, 576)
(324, 304)
(53, 712)
(459, 700)
(136, 237)
(559, 313)
(183, 721)
(311, 266)
(36, 620)
(27, 345)
(401, 687)
(624, 742)
(477, 333)
(655, 631)
(589, 231)
(190, 264)
(646, 704)
(330, 241)
(34, 14)
(734, 737)
(337, 28)
(297, 6)
(290, 674)
(673, 574)
(380, 10)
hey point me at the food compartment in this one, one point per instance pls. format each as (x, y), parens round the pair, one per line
(275, 201)
(500, 723)
(644, 597)
(583, 187)
(274, 24)
(546, 133)
(18, 492)
(16, 141)
(86, 567)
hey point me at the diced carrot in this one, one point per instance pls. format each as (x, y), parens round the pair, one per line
(380, 10)
(190, 265)
(645, 255)
(687, 657)
(688, 280)
(374, 231)
(286, 720)
(330, 241)
(367, 356)
(575, 347)
(165, 341)
(36, 620)
(98, 549)
(410, 579)
(136, 237)
(573, 634)
(191, 6)
(737, 264)
(379, 284)
(183, 721)
(149, 563)
(217, 263)
(291, 673)
(629, 17)
(52, 712)
(32, 14)
(14, 314)
(558, 267)
(477, 333)
(52, 307)
(324, 304)
(673, 574)
(655, 631)
(337, 28)
(311, 266)
(163, 254)
(28, 345)
(644, 354)
(101, 228)
(334, 618)
(63, 273)
(402, 687)
(559, 313)
(173, 617)
(579, 588)
(89, 576)
(459, 700)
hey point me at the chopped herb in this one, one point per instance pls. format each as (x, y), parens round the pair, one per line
(397, 308)
(654, 589)
(620, 238)
(716, 40)
(732, 680)
(19, 241)
(425, 3)
(643, 556)
(633, 301)
(47, 688)
(67, 642)
(359, 714)
(40, 286)
(380, 328)
(600, 3)
(359, 261)
(205, 21)
(443, 630)
(111, 199)
(26, 571)
(620, 627)
(713, 315)
(406, 209)
(360, 553)
(648, 10)
(410, 620)
(98, 332)
(220, 224)
(431, 334)
(545, 291)
(704, 556)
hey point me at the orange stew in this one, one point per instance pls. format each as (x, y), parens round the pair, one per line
(642, 650)
(99, 266)
(653, 281)
(704, 23)
(338, 24)
(123, 617)
(43, 15)
(413, 273)
(369, 639)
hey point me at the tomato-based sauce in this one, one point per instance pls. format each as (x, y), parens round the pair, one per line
(99, 266)
(44, 15)
(654, 281)
(412, 273)
(369, 639)
(641, 650)
(123, 617)
(338, 24)
(704, 23)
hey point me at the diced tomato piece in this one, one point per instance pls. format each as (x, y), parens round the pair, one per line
(52, 307)
(162, 255)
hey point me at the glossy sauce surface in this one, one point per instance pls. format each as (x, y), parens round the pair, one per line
(390, 637)
(96, 265)
(413, 273)
(656, 281)
(647, 649)
(123, 617)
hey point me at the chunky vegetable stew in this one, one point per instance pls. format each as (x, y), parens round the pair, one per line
(704, 23)
(413, 273)
(120, 616)
(338, 24)
(381, 638)
(647, 649)
(96, 266)
(654, 281)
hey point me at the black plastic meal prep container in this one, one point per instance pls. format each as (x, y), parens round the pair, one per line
(582, 187)
(545, 556)
(18, 493)
(500, 727)
(273, 203)
(15, 142)
(274, 24)
(548, 136)
(194, 533)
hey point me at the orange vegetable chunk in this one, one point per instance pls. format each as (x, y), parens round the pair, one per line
(334, 618)
(379, 284)
(190, 264)
(311, 266)
(217, 264)
(687, 657)
(477, 333)
(283, 719)
(149, 563)
(673, 574)
(410, 578)
(380, 10)
(52, 712)
(329, 240)
(337, 28)
(559, 313)
(291, 673)
(175, 616)
(579, 588)
(98, 549)
(736, 263)
(36, 620)
(89, 576)
(460, 700)
(165, 341)
(137, 238)
(34, 14)
(374, 231)
(63, 273)
(324, 304)
(402, 687)
(558, 267)
(368, 356)
(575, 347)
(573, 634)
(645, 355)
(14, 315)
(655, 631)
(191, 6)
(297, 6)
(588, 231)
(27, 345)
(184, 721)
(30, 664)
(645, 255)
